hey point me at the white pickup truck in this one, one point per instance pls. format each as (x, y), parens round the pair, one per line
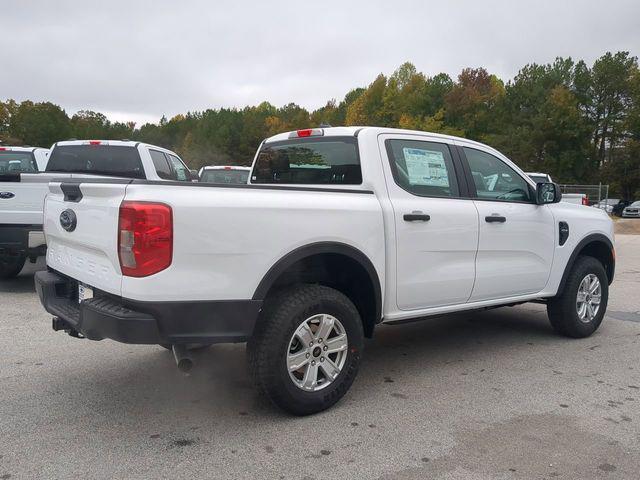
(339, 229)
(20, 232)
(22, 192)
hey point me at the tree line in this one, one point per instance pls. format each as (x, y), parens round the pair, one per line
(579, 123)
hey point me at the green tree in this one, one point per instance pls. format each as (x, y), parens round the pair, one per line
(39, 124)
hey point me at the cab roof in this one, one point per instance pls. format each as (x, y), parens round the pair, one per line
(355, 131)
(116, 143)
(120, 143)
(11, 148)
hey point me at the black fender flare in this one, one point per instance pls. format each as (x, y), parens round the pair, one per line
(591, 238)
(318, 248)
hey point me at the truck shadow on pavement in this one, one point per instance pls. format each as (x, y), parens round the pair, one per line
(130, 380)
(494, 384)
(23, 283)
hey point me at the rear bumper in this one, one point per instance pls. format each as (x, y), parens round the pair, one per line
(131, 321)
(22, 240)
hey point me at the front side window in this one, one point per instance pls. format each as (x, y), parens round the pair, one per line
(161, 165)
(423, 168)
(17, 162)
(182, 173)
(495, 180)
(325, 160)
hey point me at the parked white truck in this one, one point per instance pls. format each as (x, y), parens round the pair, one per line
(576, 198)
(22, 192)
(20, 230)
(340, 229)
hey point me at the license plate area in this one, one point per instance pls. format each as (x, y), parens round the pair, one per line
(84, 292)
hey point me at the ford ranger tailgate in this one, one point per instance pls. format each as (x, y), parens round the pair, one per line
(81, 225)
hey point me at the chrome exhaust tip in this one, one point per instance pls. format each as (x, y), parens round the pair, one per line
(183, 358)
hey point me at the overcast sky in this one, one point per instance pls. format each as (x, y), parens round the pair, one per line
(137, 60)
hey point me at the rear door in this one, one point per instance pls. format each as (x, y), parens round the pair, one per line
(81, 228)
(436, 226)
(516, 244)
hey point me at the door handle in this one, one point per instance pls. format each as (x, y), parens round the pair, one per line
(416, 217)
(495, 218)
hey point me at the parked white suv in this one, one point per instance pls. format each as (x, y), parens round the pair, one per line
(22, 192)
(339, 230)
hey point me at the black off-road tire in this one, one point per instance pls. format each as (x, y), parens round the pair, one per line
(561, 309)
(267, 349)
(11, 266)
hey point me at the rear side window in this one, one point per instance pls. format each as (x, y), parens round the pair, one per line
(118, 161)
(321, 161)
(423, 168)
(161, 165)
(17, 162)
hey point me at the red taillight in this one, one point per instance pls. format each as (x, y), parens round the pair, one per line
(94, 142)
(145, 238)
(2, 149)
(304, 133)
(585, 200)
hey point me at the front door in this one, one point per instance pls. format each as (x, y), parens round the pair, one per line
(436, 229)
(516, 245)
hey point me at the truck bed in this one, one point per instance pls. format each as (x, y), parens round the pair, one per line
(215, 227)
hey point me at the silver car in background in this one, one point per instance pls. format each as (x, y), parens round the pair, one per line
(632, 210)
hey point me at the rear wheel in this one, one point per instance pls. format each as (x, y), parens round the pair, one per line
(306, 349)
(579, 309)
(11, 266)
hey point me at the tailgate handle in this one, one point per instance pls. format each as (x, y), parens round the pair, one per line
(72, 192)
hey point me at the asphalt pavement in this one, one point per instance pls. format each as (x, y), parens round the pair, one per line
(495, 394)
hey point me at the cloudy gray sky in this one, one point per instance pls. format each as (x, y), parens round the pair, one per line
(138, 60)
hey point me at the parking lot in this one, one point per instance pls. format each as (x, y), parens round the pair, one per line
(494, 394)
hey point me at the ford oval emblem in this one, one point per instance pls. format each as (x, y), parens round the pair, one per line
(7, 195)
(68, 220)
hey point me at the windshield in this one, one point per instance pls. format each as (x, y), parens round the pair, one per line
(539, 178)
(17, 162)
(225, 176)
(635, 204)
(328, 160)
(112, 160)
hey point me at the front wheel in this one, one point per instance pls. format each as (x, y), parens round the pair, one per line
(579, 309)
(11, 266)
(306, 349)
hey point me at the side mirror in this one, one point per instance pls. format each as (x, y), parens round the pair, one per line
(548, 193)
(194, 175)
